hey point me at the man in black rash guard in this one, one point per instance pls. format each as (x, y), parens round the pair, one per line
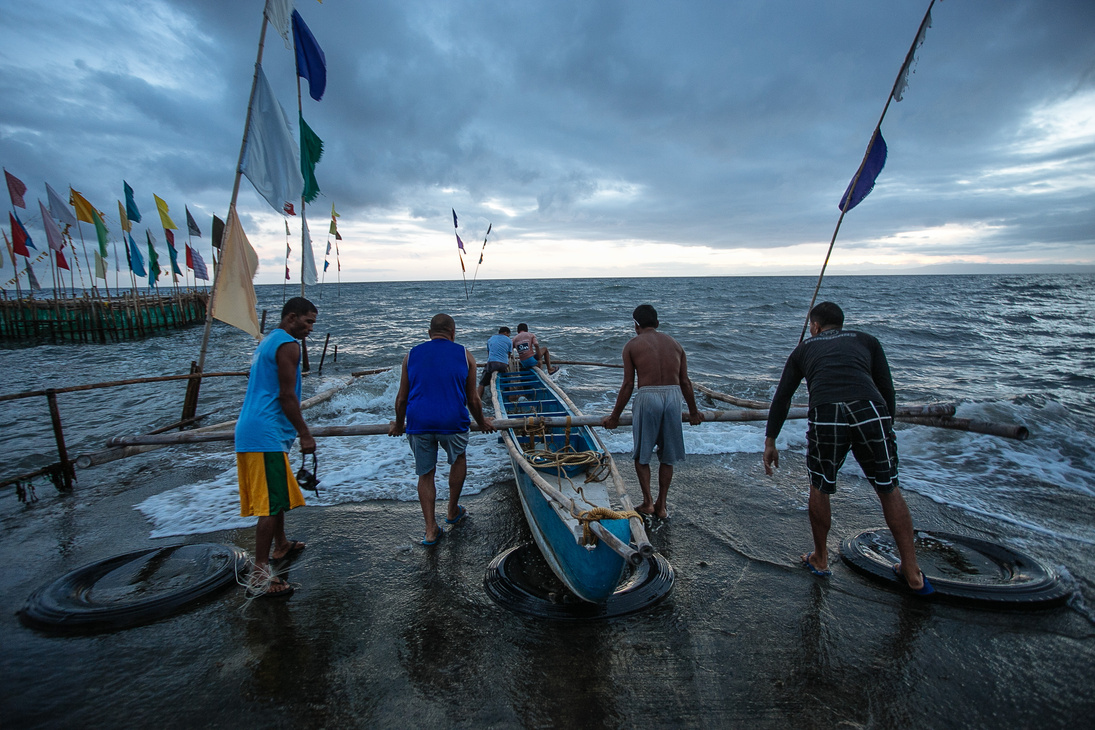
(852, 402)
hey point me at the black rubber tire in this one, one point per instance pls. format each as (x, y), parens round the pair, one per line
(69, 604)
(980, 573)
(645, 586)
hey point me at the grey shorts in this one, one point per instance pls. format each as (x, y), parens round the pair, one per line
(424, 447)
(656, 411)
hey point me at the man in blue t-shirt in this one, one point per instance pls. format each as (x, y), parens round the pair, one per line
(499, 347)
(852, 403)
(269, 422)
(436, 391)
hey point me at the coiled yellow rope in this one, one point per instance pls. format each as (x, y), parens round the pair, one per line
(596, 515)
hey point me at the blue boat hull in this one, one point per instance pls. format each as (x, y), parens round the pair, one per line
(592, 574)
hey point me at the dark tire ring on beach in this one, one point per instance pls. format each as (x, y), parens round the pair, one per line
(68, 604)
(1022, 583)
(647, 585)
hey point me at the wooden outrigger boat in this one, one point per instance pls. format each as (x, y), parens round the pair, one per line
(562, 475)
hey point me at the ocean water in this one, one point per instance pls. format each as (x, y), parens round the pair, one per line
(1013, 349)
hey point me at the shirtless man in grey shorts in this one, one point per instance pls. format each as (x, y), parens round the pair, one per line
(663, 382)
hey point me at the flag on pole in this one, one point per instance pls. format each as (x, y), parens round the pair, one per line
(53, 233)
(325, 265)
(333, 213)
(334, 228)
(311, 63)
(174, 254)
(163, 210)
(62, 262)
(34, 285)
(235, 301)
(328, 252)
(19, 237)
(16, 189)
(100, 267)
(200, 271)
(338, 236)
(153, 260)
(278, 13)
(58, 208)
(287, 273)
(189, 257)
(872, 165)
(100, 233)
(124, 219)
(910, 60)
(271, 160)
(218, 232)
(460, 243)
(83, 208)
(131, 210)
(191, 224)
(136, 263)
(311, 149)
(308, 260)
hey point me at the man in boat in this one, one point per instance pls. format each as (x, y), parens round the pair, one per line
(499, 347)
(529, 351)
(662, 369)
(269, 422)
(852, 401)
(436, 391)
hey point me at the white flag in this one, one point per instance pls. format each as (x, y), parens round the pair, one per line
(308, 261)
(53, 233)
(58, 208)
(280, 13)
(271, 159)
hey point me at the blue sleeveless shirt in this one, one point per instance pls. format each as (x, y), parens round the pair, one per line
(262, 425)
(437, 371)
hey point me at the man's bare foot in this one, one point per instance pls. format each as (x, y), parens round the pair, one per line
(662, 513)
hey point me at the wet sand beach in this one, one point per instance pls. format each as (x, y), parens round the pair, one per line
(383, 632)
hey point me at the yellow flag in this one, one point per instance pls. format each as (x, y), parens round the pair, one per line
(126, 225)
(161, 206)
(333, 213)
(234, 302)
(83, 208)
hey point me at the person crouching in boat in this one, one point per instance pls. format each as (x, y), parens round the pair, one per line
(269, 422)
(436, 391)
(852, 402)
(662, 369)
(529, 351)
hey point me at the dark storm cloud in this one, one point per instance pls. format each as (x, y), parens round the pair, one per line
(717, 124)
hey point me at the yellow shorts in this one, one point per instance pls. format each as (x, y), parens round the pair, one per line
(267, 484)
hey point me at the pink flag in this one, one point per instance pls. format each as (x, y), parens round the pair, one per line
(16, 188)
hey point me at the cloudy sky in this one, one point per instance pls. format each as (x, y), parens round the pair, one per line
(600, 138)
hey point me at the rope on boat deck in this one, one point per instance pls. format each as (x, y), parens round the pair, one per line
(596, 515)
(597, 468)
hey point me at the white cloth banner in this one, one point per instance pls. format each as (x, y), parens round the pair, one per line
(271, 159)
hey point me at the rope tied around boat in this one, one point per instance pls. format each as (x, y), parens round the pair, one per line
(596, 515)
(597, 469)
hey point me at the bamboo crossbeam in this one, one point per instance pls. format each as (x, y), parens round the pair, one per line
(1006, 430)
(594, 364)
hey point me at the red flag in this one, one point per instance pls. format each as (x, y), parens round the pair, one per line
(16, 188)
(289, 210)
(287, 273)
(61, 262)
(338, 236)
(189, 258)
(170, 236)
(18, 237)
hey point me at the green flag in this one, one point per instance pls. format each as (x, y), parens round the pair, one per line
(100, 231)
(153, 261)
(311, 149)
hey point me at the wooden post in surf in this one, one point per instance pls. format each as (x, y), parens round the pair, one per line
(67, 471)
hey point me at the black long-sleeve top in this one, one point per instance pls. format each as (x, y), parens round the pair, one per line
(839, 366)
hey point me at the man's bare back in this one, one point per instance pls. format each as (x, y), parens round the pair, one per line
(656, 358)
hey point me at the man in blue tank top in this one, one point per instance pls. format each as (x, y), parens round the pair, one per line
(499, 347)
(436, 391)
(269, 422)
(852, 403)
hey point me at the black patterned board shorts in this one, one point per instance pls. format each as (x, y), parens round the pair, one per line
(861, 426)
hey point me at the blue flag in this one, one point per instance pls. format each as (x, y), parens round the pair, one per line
(311, 63)
(136, 263)
(872, 165)
(454, 223)
(131, 211)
